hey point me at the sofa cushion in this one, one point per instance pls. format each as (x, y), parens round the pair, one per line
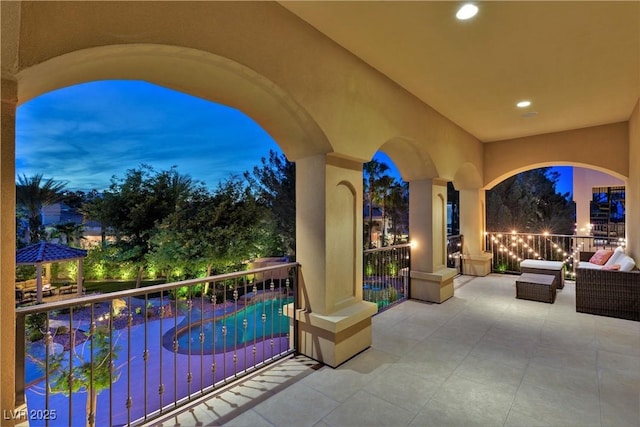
(591, 266)
(542, 264)
(600, 257)
(617, 254)
(626, 263)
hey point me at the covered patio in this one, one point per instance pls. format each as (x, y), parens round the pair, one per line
(481, 358)
(330, 109)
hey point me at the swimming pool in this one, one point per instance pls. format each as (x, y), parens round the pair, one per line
(35, 357)
(251, 324)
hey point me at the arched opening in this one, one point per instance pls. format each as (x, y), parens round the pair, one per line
(92, 136)
(190, 71)
(385, 204)
(202, 75)
(552, 211)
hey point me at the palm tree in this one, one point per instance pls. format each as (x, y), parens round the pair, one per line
(373, 170)
(32, 194)
(381, 195)
(398, 207)
(71, 231)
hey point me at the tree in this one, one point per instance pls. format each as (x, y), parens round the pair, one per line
(32, 194)
(135, 205)
(90, 372)
(217, 231)
(384, 185)
(398, 208)
(528, 202)
(373, 172)
(275, 181)
(71, 231)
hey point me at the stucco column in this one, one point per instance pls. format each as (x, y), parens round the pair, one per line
(9, 90)
(475, 261)
(632, 212)
(334, 323)
(431, 280)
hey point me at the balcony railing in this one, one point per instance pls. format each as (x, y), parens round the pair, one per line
(386, 275)
(454, 251)
(509, 248)
(128, 357)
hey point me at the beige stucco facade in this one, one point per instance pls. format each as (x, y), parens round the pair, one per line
(584, 182)
(329, 112)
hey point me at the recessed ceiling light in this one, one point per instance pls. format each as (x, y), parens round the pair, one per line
(523, 104)
(467, 11)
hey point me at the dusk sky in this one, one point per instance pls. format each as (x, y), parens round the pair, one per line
(87, 133)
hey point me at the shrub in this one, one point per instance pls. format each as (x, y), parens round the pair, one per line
(35, 325)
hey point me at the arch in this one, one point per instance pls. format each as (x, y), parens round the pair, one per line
(412, 163)
(531, 166)
(604, 148)
(191, 71)
(467, 177)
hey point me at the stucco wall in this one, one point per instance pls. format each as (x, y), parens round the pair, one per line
(603, 147)
(583, 182)
(633, 189)
(357, 108)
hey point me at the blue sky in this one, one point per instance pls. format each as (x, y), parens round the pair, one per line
(87, 133)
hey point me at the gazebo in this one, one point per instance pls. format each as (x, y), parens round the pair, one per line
(44, 253)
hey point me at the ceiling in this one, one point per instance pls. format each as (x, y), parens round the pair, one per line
(577, 62)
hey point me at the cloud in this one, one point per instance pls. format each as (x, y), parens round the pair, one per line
(85, 134)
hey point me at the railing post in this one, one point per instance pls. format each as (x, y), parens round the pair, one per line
(20, 355)
(296, 306)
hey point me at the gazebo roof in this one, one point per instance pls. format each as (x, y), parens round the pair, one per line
(47, 252)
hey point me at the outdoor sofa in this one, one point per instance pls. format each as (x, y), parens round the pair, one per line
(607, 290)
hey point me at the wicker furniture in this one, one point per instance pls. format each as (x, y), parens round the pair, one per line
(555, 268)
(536, 287)
(608, 293)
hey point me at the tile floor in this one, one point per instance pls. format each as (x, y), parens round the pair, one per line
(481, 358)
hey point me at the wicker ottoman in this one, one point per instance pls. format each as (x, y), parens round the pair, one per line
(536, 287)
(538, 266)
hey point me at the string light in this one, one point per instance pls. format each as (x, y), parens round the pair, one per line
(513, 247)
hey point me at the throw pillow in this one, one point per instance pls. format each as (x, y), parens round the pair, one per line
(611, 267)
(617, 255)
(627, 263)
(600, 257)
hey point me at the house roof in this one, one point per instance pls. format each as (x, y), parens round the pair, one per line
(47, 252)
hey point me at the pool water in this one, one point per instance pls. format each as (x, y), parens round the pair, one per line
(248, 325)
(34, 360)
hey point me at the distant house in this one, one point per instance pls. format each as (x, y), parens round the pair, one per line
(60, 213)
(380, 222)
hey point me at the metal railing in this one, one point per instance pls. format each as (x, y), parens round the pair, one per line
(127, 357)
(386, 275)
(454, 251)
(509, 248)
